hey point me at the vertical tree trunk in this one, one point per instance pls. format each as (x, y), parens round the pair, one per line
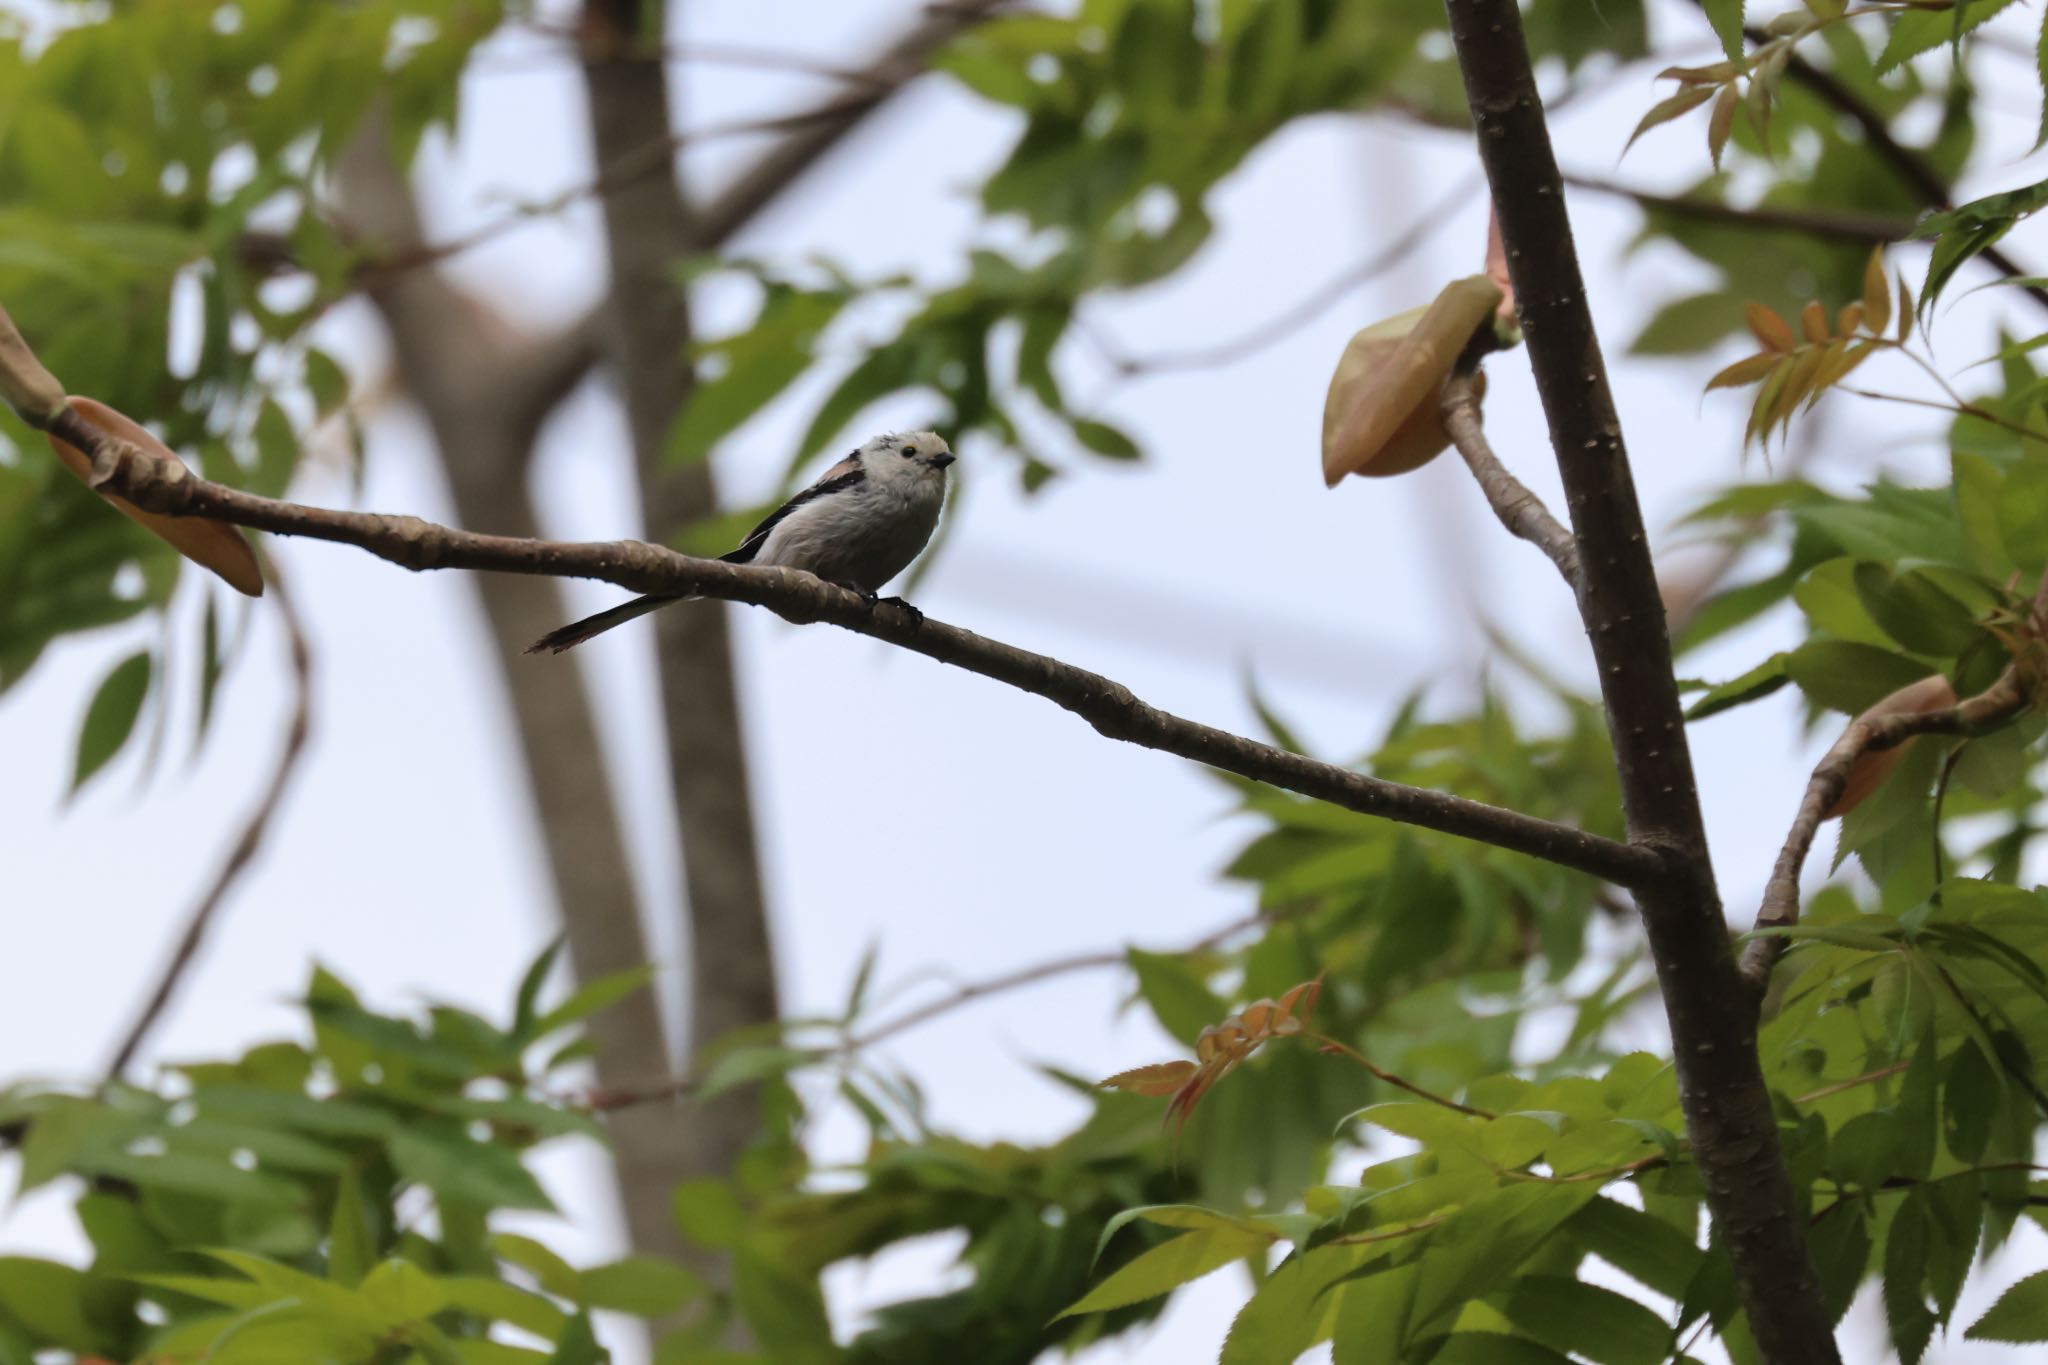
(646, 336)
(485, 393)
(1727, 1105)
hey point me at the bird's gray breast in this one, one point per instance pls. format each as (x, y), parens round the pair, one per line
(863, 537)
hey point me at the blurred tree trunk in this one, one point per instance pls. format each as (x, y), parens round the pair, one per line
(486, 390)
(646, 336)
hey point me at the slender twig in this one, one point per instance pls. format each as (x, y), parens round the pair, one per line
(1909, 165)
(1839, 1086)
(623, 173)
(2003, 700)
(1855, 227)
(1390, 1234)
(669, 1087)
(1519, 510)
(1328, 1044)
(1110, 707)
(1278, 328)
(253, 831)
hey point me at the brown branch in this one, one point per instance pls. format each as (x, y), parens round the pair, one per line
(1919, 174)
(1108, 706)
(1519, 510)
(1728, 1111)
(622, 173)
(244, 851)
(1312, 306)
(783, 165)
(1335, 1048)
(2003, 700)
(1850, 226)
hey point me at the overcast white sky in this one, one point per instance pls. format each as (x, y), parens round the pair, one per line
(406, 858)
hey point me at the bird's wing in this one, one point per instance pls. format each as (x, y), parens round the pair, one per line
(837, 479)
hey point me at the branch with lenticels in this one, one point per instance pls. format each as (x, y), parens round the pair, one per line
(170, 488)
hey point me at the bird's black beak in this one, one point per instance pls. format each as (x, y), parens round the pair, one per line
(941, 461)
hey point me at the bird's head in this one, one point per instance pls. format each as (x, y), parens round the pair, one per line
(907, 455)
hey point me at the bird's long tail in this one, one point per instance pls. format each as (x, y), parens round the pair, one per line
(576, 632)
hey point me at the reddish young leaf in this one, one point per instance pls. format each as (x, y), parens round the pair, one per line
(1772, 332)
(1849, 321)
(1745, 371)
(1813, 320)
(1686, 100)
(1155, 1081)
(1877, 299)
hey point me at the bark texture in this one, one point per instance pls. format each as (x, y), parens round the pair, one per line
(1712, 1016)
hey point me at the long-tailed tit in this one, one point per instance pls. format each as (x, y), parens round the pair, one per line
(859, 526)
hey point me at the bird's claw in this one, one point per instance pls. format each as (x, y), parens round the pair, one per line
(916, 616)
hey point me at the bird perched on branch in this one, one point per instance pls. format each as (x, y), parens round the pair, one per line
(859, 526)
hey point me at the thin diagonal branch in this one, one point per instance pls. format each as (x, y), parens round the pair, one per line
(1919, 174)
(253, 832)
(1842, 224)
(1108, 706)
(1995, 706)
(1520, 510)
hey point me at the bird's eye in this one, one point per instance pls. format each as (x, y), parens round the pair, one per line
(909, 451)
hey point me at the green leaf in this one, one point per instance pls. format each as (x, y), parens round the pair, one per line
(785, 1309)
(111, 715)
(2021, 1313)
(1726, 17)
(1905, 1265)
(640, 1285)
(709, 1213)
(550, 1271)
(578, 1345)
(1105, 439)
(1759, 682)
(1848, 677)
(1494, 1348)
(1585, 1319)
(501, 1302)
(1168, 1266)
(1488, 1239)
(1649, 1249)
(1917, 31)
(351, 1247)
(463, 1171)
(526, 1005)
(596, 995)
(51, 1301)
(399, 1292)
(1179, 998)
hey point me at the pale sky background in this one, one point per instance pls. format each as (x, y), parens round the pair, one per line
(967, 828)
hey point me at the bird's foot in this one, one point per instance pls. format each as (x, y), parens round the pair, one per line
(916, 616)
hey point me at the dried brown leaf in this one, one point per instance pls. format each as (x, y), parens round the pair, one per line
(214, 545)
(1873, 766)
